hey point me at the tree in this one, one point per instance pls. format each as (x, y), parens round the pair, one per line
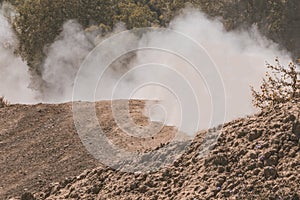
(135, 15)
(39, 22)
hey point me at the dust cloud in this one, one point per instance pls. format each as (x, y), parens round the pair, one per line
(238, 58)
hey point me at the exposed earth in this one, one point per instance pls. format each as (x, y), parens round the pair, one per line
(256, 157)
(39, 144)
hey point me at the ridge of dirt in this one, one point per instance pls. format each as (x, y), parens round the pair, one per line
(256, 157)
(39, 144)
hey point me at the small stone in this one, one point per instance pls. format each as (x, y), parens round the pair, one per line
(273, 160)
(167, 173)
(137, 173)
(27, 196)
(221, 169)
(289, 118)
(176, 163)
(270, 172)
(236, 144)
(256, 171)
(242, 133)
(133, 186)
(296, 129)
(242, 153)
(142, 189)
(96, 189)
(226, 193)
(255, 135)
(270, 153)
(74, 195)
(275, 125)
(220, 160)
(252, 155)
(251, 166)
(221, 181)
(261, 158)
(292, 178)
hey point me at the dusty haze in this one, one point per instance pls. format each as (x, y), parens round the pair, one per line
(238, 56)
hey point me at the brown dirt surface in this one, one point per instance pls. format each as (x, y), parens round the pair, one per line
(40, 145)
(257, 157)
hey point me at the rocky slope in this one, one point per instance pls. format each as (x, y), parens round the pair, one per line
(256, 157)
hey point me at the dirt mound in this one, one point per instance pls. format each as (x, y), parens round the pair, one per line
(40, 145)
(256, 157)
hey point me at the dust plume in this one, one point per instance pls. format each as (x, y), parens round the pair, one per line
(189, 94)
(239, 58)
(14, 76)
(63, 60)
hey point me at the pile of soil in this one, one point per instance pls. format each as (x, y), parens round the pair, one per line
(39, 144)
(256, 157)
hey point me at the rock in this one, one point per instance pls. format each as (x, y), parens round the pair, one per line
(220, 160)
(271, 161)
(242, 152)
(166, 173)
(255, 135)
(242, 133)
(296, 128)
(292, 178)
(256, 171)
(289, 118)
(142, 189)
(74, 195)
(27, 196)
(251, 166)
(221, 180)
(221, 169)
(276, 125)
(96, 189)
(252, 154)
(176, 163)
(295, 197)
(270, 172)
(269, 153)
(66, 182)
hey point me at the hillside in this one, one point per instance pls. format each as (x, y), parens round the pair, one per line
(254, 158)
(57, 151)
(39, 23)
(39, 144)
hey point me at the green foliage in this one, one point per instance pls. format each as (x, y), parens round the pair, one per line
(166, 10)
(39, 22)
(135, 15)
(281, 86)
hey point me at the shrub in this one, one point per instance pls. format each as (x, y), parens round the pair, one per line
(282, 85)
(3, 102)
